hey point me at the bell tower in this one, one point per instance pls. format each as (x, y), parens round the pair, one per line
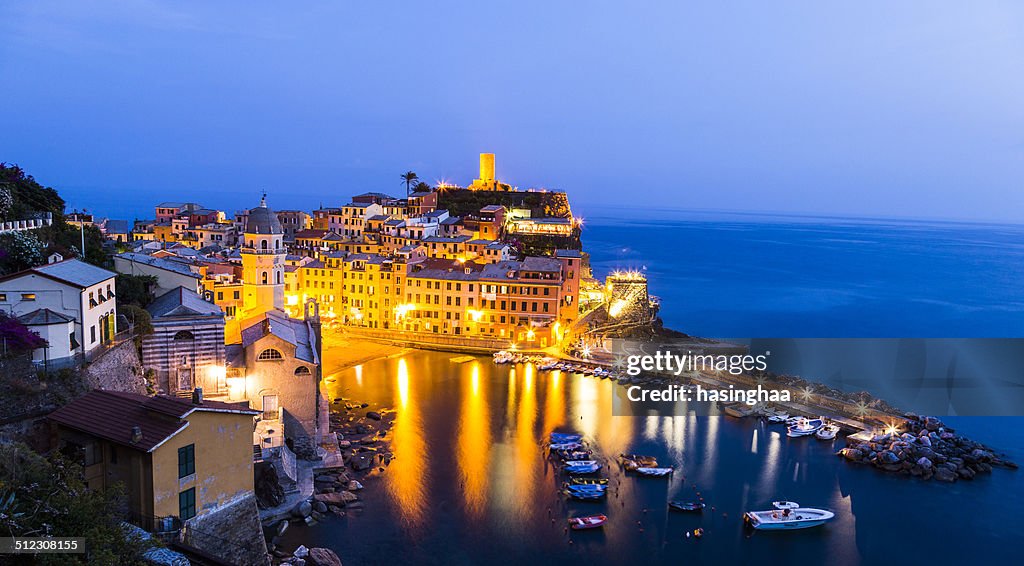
(263, 255)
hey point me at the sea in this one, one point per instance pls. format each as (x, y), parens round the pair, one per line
(470, 483)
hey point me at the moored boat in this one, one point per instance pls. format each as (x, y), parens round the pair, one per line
(582, 469)
(687, 506)
(654, 472)
(588, 522)
(787, 515)
(564, 446)
(589, 481)
(805, 427)
(827, 432)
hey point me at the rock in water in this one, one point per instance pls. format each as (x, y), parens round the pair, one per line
(354, 485)
(302, 509)
(323, 557)
(373, 415)
(301, 551)
(945, 474)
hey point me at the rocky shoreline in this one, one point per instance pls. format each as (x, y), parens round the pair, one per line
(928, 449)
(364, 449)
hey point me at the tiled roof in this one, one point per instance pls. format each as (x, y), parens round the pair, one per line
(162, 263)
(293, 331)
(112, 415)
(182, 302)
(310, 234)
(70, 271)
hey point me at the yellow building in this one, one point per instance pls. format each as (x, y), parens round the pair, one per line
(178, 458)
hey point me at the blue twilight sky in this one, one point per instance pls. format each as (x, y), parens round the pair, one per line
(912, 109)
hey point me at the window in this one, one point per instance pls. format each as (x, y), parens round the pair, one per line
(186, 461)
(184, 335)
(270, 354)
(3, 297)
(92, 334)
(238, 295)
(187, 504)
(302, 370)
(27, 296)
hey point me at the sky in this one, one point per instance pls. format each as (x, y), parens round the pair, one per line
(888, 109)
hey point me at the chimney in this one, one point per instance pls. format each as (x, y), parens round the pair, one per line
(136, 434)
(197, 396)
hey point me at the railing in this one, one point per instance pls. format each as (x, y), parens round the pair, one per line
(157, 525)
(460, 342)
(46, 219)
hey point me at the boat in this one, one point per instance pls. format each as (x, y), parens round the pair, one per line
(633, 461)
(805, 427)
(778, 418)
(566, 437)
(787, 515)
(738, 410)
(582, 470)
(589, 481)
(589, 522)
(585, 486)
(827, 432)
(564, 446)
(688, 506)
(574, 455)
(585, 495)
(654, 472)
(574, 463)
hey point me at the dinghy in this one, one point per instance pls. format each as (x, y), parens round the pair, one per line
(589, 522)
(687, 506)
(654, 472)
(582, 470)
(589, 481)
(787, 515)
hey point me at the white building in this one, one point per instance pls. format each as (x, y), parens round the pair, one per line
(72, 288)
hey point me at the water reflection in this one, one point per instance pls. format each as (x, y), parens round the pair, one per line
(474, 443)
(406, 474)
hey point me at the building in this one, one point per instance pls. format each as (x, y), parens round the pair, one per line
(186, 348)
(170, 274)
(420, 203)
(276, 367)
(178, 458)
(263, 255)
(72, 289)
(293, 221)
(59, 332)
(487, 181)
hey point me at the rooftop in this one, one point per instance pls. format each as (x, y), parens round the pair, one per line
(72, 272)
(112, 415)
(182, 302)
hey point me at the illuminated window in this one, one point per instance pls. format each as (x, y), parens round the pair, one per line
(26, 296)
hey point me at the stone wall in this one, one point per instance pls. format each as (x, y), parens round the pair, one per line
(118, 369)
(233, 533)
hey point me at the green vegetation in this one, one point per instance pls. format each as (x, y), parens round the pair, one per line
(460, 202)
(134, 290)
(46, 496)
(22, 198)
(410, 179)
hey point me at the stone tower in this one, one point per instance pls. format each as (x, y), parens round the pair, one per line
(486, 182)
(263, 254)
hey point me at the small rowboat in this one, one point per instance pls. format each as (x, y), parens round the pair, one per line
(584, 488)
(585, 495)
(565, 437)
(582, 470)
(654, 472)
(688, 506)
(590, 522)
(589, 481)
(827, 432)
(574, 455)
(574, 463)
(565, 446)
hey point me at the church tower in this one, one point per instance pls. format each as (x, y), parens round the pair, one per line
(262, 254)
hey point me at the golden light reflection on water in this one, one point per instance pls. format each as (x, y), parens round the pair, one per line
(474, 443)
(406, 473)
(527, 461)
(554, 404)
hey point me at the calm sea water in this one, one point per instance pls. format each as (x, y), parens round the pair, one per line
(471, 485)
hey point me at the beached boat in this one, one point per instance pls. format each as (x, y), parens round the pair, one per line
(687, 506)
(827, 432)
(654, 472)
(787, 515)
(738, 410)
(589, 481)
(805, 427)
(589, 522)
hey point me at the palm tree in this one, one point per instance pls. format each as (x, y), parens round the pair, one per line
(409, 178)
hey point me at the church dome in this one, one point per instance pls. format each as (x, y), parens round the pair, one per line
(262, 220)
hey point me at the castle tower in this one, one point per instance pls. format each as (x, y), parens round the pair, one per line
(486, 182)
(262, 254)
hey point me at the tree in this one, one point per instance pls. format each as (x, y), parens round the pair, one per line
(409, 178)
(421, 187)
(134, 290)
(46, 496)
(16, 338)
(28, 196)
(20, 250)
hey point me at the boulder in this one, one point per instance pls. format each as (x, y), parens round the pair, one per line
(302, 509)
(362, 462)
(925, 441)
(373, 415)
(945, 474)
(925, 463)
(320, 507)
(354, 485)
(888, 457)
(965, 473)
(301, 551)
(323, 557)
(282, 527)
(339, 498)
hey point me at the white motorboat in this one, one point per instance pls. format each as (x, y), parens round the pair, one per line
(805, 427)
(580, 463)
(787, 515)
(827, 432)
(778, 418)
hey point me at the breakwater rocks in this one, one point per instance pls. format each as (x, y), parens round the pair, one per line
(927, 449)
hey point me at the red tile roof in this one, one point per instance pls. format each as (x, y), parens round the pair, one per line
(111, 415)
